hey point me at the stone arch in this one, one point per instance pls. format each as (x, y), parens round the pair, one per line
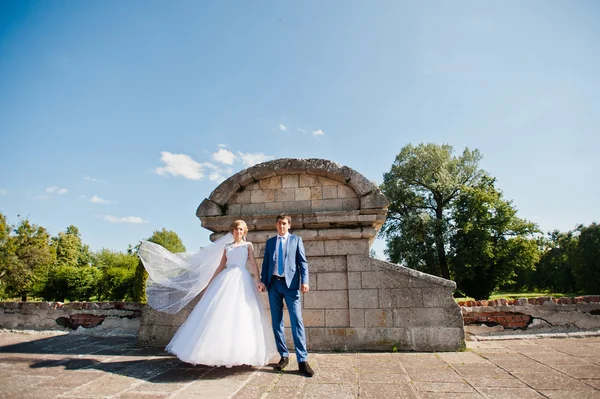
(319, 193)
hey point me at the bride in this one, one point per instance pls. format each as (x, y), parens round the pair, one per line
(229, 325)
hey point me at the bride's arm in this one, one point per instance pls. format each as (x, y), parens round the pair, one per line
(255, 272)
(220, 268)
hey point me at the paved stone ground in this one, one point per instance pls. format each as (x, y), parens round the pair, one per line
(78, 366)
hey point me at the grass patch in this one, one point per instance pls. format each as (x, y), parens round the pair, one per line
(516, 295)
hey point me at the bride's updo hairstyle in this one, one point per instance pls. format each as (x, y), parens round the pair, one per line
(238, 223)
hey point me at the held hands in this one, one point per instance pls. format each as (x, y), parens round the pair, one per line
(303, 288)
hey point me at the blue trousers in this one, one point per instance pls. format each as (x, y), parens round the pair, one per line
(278, 292)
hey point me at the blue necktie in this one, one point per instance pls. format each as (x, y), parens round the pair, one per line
(280, 258)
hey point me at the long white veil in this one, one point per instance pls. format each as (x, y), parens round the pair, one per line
(174, 279)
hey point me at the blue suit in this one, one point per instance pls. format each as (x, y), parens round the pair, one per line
(296, 273)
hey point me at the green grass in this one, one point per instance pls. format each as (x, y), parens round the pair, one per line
(515, 295)
(36, 299)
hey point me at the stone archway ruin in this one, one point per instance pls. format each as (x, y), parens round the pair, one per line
(356, 302)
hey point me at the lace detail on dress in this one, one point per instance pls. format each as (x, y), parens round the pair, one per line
(232, 245)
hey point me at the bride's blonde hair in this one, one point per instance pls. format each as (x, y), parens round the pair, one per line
(238, 223)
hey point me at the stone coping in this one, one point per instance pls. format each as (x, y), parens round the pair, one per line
(17, 305)
(307, 221)
(539, 301)
(414, 273)
(309, 234)
(133, 306)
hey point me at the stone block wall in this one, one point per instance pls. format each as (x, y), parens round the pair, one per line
(499, 318)
(368, 304)
(354, 302)
(105, 318)
(531, 316)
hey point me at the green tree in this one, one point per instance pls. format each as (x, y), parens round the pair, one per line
(75, 283)
(587, 259)
(5, 230)
(554, 270)
(413, 243)
(24, 251)
(70, 250)
(118, 272)
(421, 186)
(168, 239)
(491, 245)
(71, 276)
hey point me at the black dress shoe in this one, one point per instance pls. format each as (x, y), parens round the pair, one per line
(282, 363)
(304, 368)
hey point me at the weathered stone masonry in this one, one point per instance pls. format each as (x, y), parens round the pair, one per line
(116, 318)
(499, 317)
(531, 315)
(355, 302)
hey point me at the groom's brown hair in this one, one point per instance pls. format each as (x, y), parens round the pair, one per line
(284, 216)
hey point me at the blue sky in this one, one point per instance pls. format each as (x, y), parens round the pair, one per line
(120, 117)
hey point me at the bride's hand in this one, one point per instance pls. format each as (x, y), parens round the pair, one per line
(261, 287)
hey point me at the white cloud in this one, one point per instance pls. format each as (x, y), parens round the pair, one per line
(302, 130)
(180, 165)
(283, 127)
(249, 159)
(126, 219)
(92, 179)
(216, 176)
(56, 190)
(222, 145)
(97, 200)
(3, 191)
(40, 197)
(318, 133)
(224, 156)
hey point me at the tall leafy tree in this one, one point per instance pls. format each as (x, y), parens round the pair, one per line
(168, 239)
(491, 244)
(422, 185)
(24, 251)
(5, 229)
(70, 249)
(554, 270)
(587, 259)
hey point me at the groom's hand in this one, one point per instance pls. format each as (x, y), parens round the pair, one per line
(261, 287)
(304, 288)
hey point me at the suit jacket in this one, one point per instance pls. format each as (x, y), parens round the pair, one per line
(295, 264)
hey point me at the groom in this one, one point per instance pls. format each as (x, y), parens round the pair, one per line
(285, 275)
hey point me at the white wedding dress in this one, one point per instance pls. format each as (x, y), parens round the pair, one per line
(229, 325)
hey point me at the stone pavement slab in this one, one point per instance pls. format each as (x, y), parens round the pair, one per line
(44, 365)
